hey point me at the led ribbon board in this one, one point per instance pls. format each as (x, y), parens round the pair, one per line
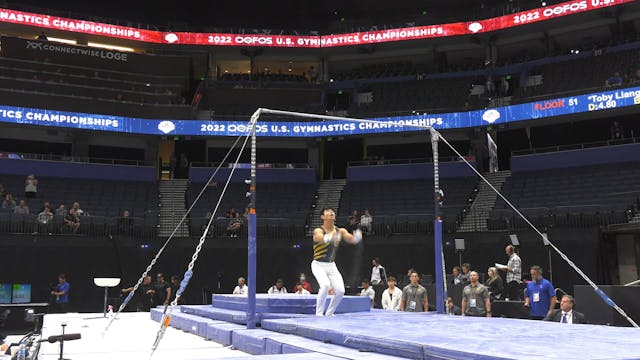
(506, 114)
(297, 41)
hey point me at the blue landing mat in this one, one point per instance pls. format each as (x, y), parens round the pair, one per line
(190, 323)
(432, 336)
(234, 316)
(300, 356)
(288, 303)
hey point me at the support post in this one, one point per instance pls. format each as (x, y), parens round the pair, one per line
(437, 230)
(252, 240)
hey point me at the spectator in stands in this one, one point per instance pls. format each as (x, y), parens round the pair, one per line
(235, 224)
(514, 274)
(242, 288)
(451, 308)
(31, 186)
(494, 283)
(162, 290)
(475, 298)
(313, 74)
(304, 283)
(353, 220)
(465, 272)
(456, 278)
(45, 216)
(367, 290)
(8, 202)
(414, 296)
(617, 131)
(72, 220)
(566, 314)
(45, 205)
(539, 296)
(42, 36)
(3, 192)
(391, 296)
(124, 224)
(300, 290)
(61, 210)
(22, 208)
(365, 222)
(278, 288)
(76, 207)
(614, 80)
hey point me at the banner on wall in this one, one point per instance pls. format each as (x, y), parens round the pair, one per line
(536, 110)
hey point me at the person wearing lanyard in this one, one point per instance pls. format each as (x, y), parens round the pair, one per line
(475, 298)
(540, 295)
(414, 296)
(326, 240)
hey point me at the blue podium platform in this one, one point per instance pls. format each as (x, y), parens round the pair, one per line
(288, 303)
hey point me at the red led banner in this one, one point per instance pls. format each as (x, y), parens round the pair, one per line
(294, 41)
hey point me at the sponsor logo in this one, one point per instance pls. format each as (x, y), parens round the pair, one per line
(491, 116)
(166, 126)
(34, 45)
(171, 38)
(474, 27)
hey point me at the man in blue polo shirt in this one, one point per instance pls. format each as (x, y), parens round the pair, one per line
(62, 294)
(540, 295)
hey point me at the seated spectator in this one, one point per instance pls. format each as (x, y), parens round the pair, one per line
(301, 290)
(31, 186)
(76, 207)
(465, 272)
(614, 80)
(391, 296)
(305, 284)
(367, 290)
(3, 192)
(8, 202)
(456, 276)
(124, 224)
(365, 221)
(45, 216)
(494, 283)
(353, 220)
(452, 309)
(61, 210)
(617, 131)
(72, 220)
(242, 288)
(235, 223)
(22, 208)
(45, 205)
(278, 288)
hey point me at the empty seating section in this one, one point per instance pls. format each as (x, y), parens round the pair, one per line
(579, 196)
(282, 208)
(405, 206)
(103, 203)
(80, 89)
(402, 98)
(576, 75)
(230, 101)
(373, 71)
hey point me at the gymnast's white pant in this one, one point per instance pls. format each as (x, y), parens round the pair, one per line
(328, 276)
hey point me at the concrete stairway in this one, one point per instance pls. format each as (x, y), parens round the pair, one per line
(329, 193)
(476, 218)
(172, 207)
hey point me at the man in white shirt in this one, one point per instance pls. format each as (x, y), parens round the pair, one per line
(368, 291)
(242, 287)
(391, 296)
(278, 288)
(365, 222)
